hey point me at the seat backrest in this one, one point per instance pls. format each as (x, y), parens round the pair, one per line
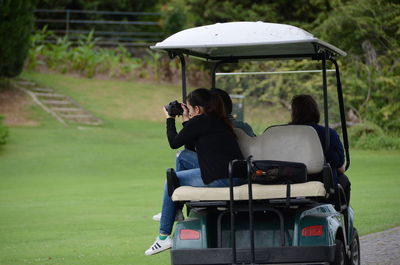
(292, 143)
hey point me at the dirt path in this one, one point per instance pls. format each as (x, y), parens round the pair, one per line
(15, 107)
(381, 248)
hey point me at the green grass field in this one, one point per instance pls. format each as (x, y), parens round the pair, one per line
(86, 195)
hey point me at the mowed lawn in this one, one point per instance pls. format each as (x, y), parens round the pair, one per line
(375, 194)
(82, 196)
(86, 195)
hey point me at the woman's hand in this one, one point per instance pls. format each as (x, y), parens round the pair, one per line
(341, 169)
(185, 115)
(166, 114)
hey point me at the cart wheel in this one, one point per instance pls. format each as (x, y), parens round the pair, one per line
(355, 249)
(339, 253)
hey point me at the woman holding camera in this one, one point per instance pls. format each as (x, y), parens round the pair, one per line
(209, 130)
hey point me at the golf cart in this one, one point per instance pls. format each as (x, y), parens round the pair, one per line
(308, 222)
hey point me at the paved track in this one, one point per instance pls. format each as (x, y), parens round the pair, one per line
(381, 248)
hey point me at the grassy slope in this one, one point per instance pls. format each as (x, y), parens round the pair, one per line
(123, 100)
(86, 196)
(112, 99)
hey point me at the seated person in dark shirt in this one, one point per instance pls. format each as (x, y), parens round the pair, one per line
(228, 108)
(305, 111)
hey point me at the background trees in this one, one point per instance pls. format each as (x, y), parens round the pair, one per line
(368, 30)
(16, 20)
(102, 5)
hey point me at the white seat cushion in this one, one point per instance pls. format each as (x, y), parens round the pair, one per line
(291, 143)
(260, 192)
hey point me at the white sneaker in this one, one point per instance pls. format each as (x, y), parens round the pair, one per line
(158, 246)
(157, 217)
(178, 217)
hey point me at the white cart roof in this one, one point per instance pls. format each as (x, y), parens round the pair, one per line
(246, 40)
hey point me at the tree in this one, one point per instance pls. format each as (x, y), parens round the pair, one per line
(174, 16)
(301, 13)
(368, 30)
(16, 21)
(3, 132)
(101, 5)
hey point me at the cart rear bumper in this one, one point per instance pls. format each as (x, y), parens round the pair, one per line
(271, 255)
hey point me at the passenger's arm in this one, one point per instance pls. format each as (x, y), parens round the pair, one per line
(243, 126)
(250, 130)
(190, 146)
(187, 135)
(335, 155)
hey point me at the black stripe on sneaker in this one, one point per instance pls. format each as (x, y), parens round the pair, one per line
(158, 245)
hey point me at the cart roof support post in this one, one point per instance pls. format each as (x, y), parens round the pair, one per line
(183, 65)
(213, 74)
(342, 113)
(325, 89)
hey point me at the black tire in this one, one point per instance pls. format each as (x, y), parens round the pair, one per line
(340, 254)
(355, 249)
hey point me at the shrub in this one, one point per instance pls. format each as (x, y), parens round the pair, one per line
(365, 129)
(174, 16)
(15, 29)
(3, 132)
(384, 142)
(393, 125)
(368, 135)
(86, 58)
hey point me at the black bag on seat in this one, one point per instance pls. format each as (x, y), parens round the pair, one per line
(278, 172)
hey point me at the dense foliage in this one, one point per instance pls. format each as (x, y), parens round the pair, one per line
(89, 60)
(112, 11)
(368, 30)
(102, 5)
(85, 58)
(297, 13)
(16, 20)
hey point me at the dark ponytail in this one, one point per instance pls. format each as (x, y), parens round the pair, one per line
(212, 104)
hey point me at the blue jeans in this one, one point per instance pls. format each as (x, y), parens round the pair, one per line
(190, 177)
(186, 159)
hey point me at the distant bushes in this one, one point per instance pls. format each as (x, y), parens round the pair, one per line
(377, 143)
(89, 60)
(85, 58)
(366, 129)
(370, 136)
(3, 132)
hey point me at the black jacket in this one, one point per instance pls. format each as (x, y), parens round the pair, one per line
(214, 143)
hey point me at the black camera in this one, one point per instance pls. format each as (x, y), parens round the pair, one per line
(174, 108)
